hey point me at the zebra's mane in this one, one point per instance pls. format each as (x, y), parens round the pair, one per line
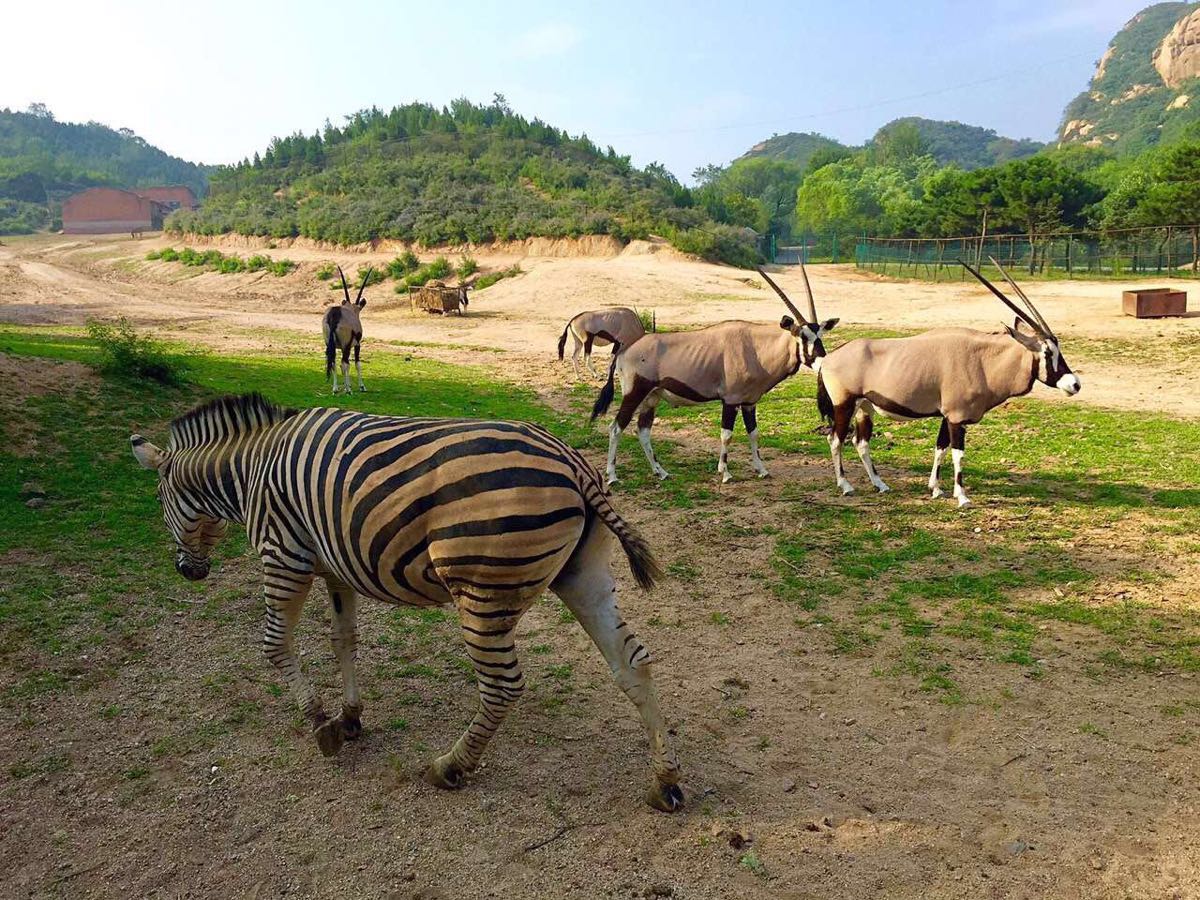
(224, 417)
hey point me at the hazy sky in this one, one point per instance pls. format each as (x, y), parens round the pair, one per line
(680, 83)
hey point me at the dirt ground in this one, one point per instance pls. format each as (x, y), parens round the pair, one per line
(1123, 362)
(808, 774)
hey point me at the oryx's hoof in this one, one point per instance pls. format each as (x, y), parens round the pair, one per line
(329, 737)
(362, 390)
(846, 488)
(937, 494)
(666, 798)
(726, 478)
(663, 475)
(882, 488)
(963, 502)
(443, 773)
(610, 481)
(763, 473)
(351, 726)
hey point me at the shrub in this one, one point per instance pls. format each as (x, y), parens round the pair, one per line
(258, 262)
(376, 277)
(467, 267)
(228, 265)
(439, 268)
(169, 254)
(492, 277)
(648, 319)
(328, 270)
(281, 267)
(127, 354)
(154, 254)
(403, 264)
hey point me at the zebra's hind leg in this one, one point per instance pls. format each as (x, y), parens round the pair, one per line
(488, 634)
(586, 586)
(345, 647)
(285, 591)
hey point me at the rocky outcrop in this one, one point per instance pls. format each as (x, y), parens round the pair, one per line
(1177, 58)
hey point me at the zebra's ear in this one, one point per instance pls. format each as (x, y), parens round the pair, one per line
(146, 453)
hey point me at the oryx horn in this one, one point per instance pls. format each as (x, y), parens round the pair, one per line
(1045, 326)
(1021, 314)
(363, 287)
(782, 296)
(345, 287)
(812, 306)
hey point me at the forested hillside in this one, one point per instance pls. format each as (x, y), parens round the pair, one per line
(452, 175)
(966, 146)
(42, 160)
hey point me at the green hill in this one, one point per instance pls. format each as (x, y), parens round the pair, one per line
(967, 146)
(1129, 105)
(797, 147)
(43, 160)
(465, 173)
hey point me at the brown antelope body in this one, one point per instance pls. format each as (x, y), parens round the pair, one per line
(342, 327)
(955, 374)
(618, 325)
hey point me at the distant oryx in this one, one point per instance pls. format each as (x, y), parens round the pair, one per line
(342, 326)
(617, 325)
(734, 362)
(957, 374)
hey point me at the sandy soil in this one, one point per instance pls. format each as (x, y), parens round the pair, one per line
(844, 781)
(67, 280)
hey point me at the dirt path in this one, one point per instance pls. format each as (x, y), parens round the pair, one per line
(1124, 363)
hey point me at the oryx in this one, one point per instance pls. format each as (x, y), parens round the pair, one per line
(342, 326)
(734, 362)
(617, 325)
(957, 374)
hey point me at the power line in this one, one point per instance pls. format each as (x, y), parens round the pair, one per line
(1024, 73)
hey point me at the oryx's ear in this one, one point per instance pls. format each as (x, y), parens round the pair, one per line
(786, 323)
(362, 302)
(827, 325)
(146, 453)
(1022, 326)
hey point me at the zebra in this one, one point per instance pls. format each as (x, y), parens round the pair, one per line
(416, 511)
(342, 327)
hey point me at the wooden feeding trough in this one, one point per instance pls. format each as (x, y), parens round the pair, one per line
(436, 297)
(1154, 303)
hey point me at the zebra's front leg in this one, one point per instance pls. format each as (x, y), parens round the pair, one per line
(357, 367)
(728, 420)
(837, 439)
(958, 434)
(862, 443)
(939, 453)
(750, 419)
(344, 638)
(590, 593)
(489, 640)
(285, 591)
(644, 424)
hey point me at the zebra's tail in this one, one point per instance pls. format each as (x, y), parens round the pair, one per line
(562, 342)
(642, 562)
(604, 401)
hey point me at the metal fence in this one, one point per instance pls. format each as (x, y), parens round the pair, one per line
(1167, 252)
(809, 247)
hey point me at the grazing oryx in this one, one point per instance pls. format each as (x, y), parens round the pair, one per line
(957, 374)
(618, 325)
(480, 516)
(734, 362)
(343, 331)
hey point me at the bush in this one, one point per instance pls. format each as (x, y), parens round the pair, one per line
(376, 277)
(720, 243)
(282, 267)
(491, 278)
(258, 262)
(403, 264)
(230, 265)
(154, 254)
(127, 354)
(169, 254)
(438, 269)
(648, 319)
(467, 267)
(327, 271)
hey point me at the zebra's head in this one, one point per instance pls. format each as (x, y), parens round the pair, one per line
(195, 532)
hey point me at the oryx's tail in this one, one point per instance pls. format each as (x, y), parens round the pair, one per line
(642, 562)
(562, 342)
(824, 401)
(330, 353)
(604, 401)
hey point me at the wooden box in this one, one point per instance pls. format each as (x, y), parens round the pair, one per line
(1153, 303)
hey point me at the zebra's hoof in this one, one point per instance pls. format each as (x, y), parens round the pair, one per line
(444, 774)
(666, 798)
(329, 737)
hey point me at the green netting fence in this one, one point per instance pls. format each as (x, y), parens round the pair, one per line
(1167, 252)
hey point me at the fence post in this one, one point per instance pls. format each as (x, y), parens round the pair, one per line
(835, 247)
(1070, 244)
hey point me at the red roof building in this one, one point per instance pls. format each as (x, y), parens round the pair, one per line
(172, 196)
(105, 210)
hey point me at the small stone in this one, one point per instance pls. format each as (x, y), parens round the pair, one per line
(849, 720)
(813, 785)
(789, 785)
(35, 502)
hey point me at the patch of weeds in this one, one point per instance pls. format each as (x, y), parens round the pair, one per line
(1171, 712)
(1089, 728)
(110, 712)
(397, 723)
(752, 864)
(720, 618)
(850, 638)
(47, 765)
(683, 569)
(137, 773)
